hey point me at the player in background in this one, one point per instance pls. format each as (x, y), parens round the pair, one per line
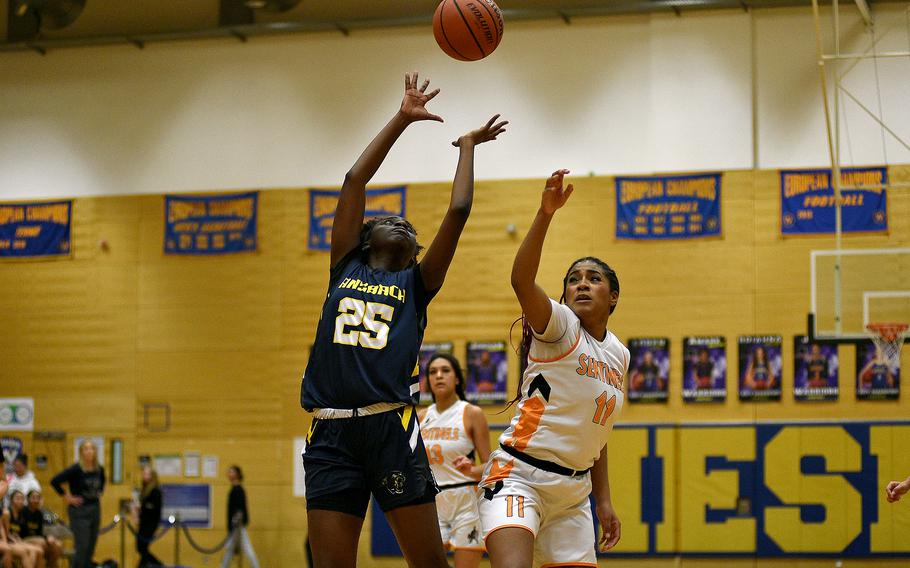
(455, 433)
(704, 370)
(534, 503)
(646, 377)
(759, 375)
(876, 374)
(816, 367)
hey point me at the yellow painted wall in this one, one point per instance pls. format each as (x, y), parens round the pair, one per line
(224, 341)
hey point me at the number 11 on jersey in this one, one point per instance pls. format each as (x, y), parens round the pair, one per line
(511, 500)
(603, 408)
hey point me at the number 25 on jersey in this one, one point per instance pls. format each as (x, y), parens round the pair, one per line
(373, 317)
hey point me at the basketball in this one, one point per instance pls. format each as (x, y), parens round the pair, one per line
(467, 30)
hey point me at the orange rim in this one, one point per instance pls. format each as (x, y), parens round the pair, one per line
(888, 331)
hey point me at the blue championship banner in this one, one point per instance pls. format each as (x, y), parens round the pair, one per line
(379, 203)
(210, 225)
(757, 489)
(35, 230)
(807, 201)
(668, 207)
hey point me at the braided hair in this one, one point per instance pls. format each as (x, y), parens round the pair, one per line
(527, 334)
(366, 231)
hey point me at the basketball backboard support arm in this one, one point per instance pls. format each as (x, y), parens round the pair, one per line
(851, 288)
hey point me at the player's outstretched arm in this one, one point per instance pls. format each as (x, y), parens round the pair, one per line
(351, 202)
(535, 304)
(436, 261)
(897, 489)
(610, 527)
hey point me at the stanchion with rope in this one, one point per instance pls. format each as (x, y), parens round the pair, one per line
(196, 546)
(203, 550)
(173, 521)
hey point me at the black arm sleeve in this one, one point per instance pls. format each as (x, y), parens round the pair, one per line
(61, 478)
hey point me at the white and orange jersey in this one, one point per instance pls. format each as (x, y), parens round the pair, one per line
(445, 437)
(571, 393)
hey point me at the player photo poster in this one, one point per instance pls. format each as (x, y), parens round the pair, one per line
(650, 369)
(877, 378)
(488, 372)
(760, 367)
(814, 370)
(704, 369)
(423, 359)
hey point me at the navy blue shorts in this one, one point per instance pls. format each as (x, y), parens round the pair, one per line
(348, 459)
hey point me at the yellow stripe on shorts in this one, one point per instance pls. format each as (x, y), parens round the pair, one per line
(406, 417)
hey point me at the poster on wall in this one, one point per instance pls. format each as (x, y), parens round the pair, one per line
(668, 207)
(423, 359)
(98, 442)
(210, 225)
(760, 367)
(192, 463)
(487, 372)
(36, 230)
(209, 466)
(807, 201)
(815, 370)
(877, 378)
(168, 465)
(704, 369)
(11, 447)
(190, 502)
(649, 373)
(380, 202)
(17, 414)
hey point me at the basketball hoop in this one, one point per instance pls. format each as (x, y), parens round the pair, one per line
(889, 337)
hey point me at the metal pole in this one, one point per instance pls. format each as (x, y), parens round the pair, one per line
(177, 540)
(835, 173)
(123, 540)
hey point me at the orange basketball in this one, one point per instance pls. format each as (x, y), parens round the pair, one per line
(467, 30)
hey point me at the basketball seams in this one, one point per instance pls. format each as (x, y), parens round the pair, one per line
(458, 32)
(493, 21)
(470, 29)
(442, 28)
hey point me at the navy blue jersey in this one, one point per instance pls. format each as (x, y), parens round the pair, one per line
(368, 338)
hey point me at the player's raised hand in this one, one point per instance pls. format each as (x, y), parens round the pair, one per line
(485, 133)
(895, 490)
(554, 194)
(610, 527)
(413, 105)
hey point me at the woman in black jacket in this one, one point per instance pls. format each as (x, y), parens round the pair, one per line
(149, 513)
(84, 485)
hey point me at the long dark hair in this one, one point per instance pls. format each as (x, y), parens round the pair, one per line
(456, 367)
(527, 334)
(366, 231)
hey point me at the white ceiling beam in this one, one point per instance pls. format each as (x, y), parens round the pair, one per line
(863, 8)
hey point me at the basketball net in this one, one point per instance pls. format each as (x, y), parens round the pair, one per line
(888, 338)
